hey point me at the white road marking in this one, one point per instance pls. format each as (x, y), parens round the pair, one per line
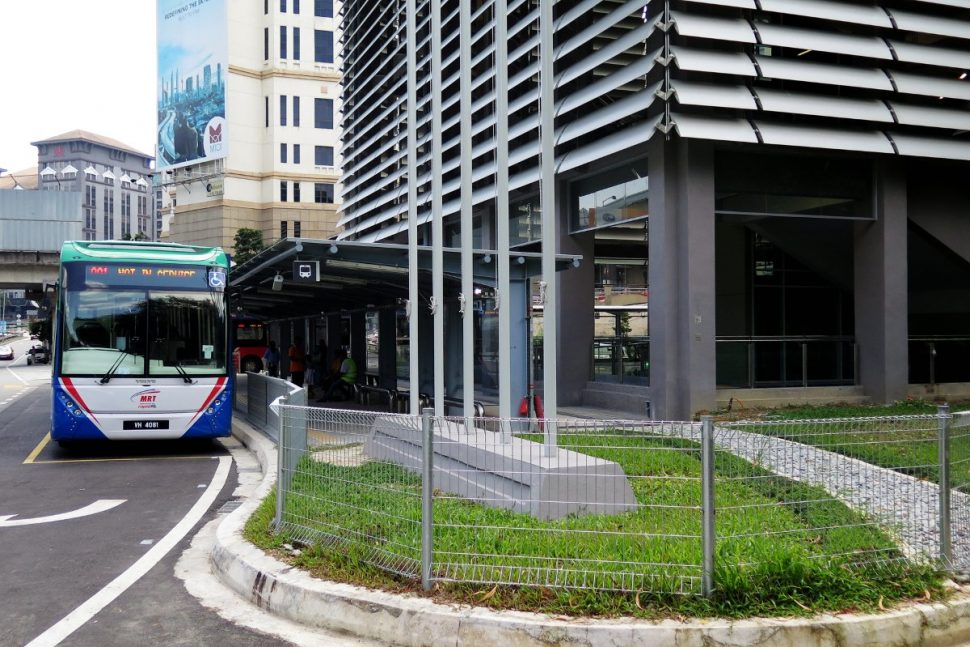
(22, 380)
(77, 618)
(101, 505)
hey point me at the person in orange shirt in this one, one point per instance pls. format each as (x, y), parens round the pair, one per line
(297, 361)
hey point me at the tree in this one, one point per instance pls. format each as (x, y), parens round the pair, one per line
(247, 243)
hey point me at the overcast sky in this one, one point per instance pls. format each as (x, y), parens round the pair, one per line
(72, 64)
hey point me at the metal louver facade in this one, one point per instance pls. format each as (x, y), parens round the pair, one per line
(878, 77)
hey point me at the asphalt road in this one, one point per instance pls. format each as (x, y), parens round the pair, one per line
(73, 523)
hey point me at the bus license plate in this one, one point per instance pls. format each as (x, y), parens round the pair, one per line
(144, 425)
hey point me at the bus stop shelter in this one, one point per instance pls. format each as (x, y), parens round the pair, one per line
(310, 282)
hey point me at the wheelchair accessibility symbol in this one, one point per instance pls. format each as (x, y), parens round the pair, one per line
(217, 280)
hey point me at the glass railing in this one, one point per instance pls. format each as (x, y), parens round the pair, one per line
(624, 360)
(939, 359)
(765, 362)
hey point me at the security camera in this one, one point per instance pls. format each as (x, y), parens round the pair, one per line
(277, 282)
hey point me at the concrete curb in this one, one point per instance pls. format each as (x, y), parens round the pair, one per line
(415, 622)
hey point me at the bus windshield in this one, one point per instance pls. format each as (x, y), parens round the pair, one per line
(143, 333)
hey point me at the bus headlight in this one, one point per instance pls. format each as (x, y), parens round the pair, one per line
(78, 413)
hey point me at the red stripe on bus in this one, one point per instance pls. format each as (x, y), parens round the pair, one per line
(69, 385)
(212, 396)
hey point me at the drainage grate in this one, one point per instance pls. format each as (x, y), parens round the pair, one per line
(229, 506)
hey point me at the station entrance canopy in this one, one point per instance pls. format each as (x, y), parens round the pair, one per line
(299, 277)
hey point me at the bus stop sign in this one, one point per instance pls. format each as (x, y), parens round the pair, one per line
(306, 271)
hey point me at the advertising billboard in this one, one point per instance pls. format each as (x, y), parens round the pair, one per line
(192, 68)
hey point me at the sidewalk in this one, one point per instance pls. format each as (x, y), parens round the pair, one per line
(416, 622)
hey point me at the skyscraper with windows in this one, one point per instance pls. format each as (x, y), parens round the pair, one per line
(779, 187)
(279, 166)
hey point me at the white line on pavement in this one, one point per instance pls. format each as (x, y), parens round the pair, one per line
(101, 505)
(22, 380)
(77, 618)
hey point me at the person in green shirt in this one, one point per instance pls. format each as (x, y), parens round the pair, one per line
(348, 377)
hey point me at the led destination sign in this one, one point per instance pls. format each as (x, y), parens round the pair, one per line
(142, 275)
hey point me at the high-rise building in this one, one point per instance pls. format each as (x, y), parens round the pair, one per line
(115, 182)
(765, 194)
(253, 142)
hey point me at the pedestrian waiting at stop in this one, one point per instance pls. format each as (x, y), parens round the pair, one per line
(271, 359)
(344, 385)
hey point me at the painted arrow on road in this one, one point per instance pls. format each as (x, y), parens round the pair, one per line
(101, 505)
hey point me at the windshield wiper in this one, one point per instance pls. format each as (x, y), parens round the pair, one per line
(183, 373)
(114, 367)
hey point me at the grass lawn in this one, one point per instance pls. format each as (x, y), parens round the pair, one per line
(783, 547)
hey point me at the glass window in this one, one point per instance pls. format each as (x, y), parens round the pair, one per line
(266, 110)
(322, 192)
(611, 196)
(525, 221)
(296, 229)
(788, 185)
(282, 109)
(187, 333)
(296, 111)
(323, 155)
(282, 153)
(265, 43)
(282, 6)
(296, 153)
(296, 38)
(108, 331)
(283, 229)
(323, 113)
(296, 195)
(323, 8)
(283, 191)
(282, 41)
(322, 46)
(296, 6)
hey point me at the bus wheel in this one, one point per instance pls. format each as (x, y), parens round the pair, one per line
(251, 365)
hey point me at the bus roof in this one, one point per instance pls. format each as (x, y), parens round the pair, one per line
(129, 250)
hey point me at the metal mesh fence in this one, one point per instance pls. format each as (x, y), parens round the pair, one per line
(624, 505)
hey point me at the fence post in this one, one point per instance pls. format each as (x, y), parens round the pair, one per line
(943, 424)
(281, 460)
(427, 491)
(707, 505)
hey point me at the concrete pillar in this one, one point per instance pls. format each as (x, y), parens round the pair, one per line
(334, 335)
(681, 277)
(575, 351)
(425, 381)
(358, 342)
(387, 347)
(519, 335)
(453, 347)
(881, 289)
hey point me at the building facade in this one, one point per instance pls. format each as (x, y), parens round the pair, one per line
(114, 181)
(770, 198)
(281, 167)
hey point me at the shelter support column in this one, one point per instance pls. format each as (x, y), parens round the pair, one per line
(519, 335)
(358, 342)
(387, 347)
(681, 277)
(881, 289)
(425, 380)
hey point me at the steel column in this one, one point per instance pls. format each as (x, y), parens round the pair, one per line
(412, 137)
(437, 226)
